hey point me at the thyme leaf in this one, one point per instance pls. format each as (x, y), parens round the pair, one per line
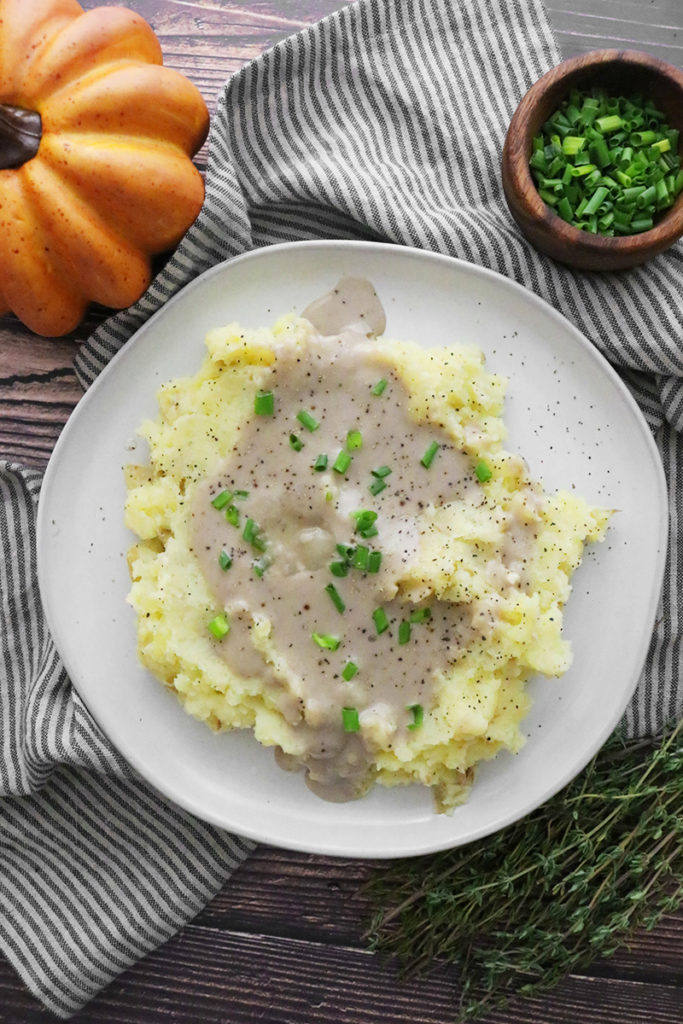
(571, 882)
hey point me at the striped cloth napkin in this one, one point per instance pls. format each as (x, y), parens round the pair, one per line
(385, 121)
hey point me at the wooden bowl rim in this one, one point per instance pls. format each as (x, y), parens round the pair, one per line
(663, 234)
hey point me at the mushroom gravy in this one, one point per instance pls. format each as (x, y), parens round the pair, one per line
(321, 620)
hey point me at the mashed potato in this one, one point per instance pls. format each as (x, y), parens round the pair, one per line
(336, 551)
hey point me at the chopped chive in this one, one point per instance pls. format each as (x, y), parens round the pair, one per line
(307, 421)
(335, 597)
(232, 514)
(354, 440)
(418, 715)
(327, 642)
(429, 455)
(260, 566)
(342, 462)
(329, 495)
(381, 471)
(404, 632)
(346, 551)
(360, 557)
(295, 442)
(365, 520)
(609, 123)
(371, 531)
(320, 464)
(219, 626)
(350, 720)
(482, 472)
(224, 560)
(264, 403)
(595, 157)
(241, 494)
(376, 487)
(379, 387)
(251, 535)
(374, 561)
(339, 569)
(379, 617)
(349, 670)
(222, 499)
(421, 615)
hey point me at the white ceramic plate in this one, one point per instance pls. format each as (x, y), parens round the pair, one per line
(567, 413)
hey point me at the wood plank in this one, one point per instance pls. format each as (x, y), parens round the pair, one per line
(298, 895)
(582, 25)
(230, 978)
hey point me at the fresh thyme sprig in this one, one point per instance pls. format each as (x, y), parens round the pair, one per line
(571, 882)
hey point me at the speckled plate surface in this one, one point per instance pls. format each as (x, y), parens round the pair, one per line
(568, 414)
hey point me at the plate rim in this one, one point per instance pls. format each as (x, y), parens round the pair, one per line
(321, 847)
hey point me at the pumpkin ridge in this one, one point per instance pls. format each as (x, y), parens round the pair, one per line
(105, 103)
(111, 269)
(90, 76)
(138, 205)
(97, 37)
(103, 140)
(35, 286)
(35, 34)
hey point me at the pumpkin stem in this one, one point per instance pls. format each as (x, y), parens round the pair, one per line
(20, 134)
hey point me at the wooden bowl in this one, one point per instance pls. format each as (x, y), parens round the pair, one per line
(621, 72)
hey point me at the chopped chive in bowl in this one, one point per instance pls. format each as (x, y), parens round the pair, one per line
(608, 165)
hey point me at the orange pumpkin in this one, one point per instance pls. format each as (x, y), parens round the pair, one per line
(96, 140)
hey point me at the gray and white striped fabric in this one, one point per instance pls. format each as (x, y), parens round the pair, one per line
(385, 121)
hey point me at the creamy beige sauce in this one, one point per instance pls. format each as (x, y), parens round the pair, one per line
(302, 514)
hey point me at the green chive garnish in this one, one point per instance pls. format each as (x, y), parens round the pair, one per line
(374, 561)
(607, 164)
(232, 515)
(342, 462)
(346, 551)
(418, 715)
(381, 471)
(327, 642)
(360, 557)
(222, 499)
(224, 560)
(251, 534)
(376, 487)
(307, 421)
(349, 670)
(429, 455)
(365, 520)
(339, 569)
(483, 472)
(404, 632)
(379, 387)
(320, 464)
(219, 626)
(295, 442)
(260, 566)
(354, 440)
(264, 403)
(335, 597)
(421, 615)
(609, 124)
(380, 619)
(240, 494)
(350, 719)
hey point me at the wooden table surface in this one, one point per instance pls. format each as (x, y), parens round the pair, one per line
(282, 942)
